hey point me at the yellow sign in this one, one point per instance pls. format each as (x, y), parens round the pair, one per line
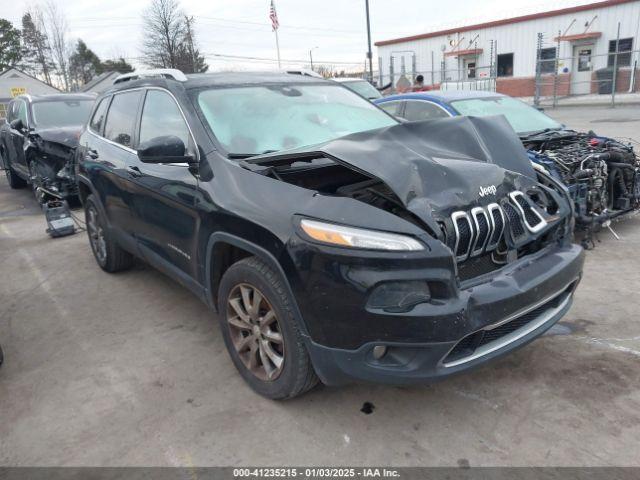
(15, 91)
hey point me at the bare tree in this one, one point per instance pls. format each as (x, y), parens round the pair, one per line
(164, 32)
(57, 31)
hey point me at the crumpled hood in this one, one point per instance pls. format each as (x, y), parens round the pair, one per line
(67, 136)
(437, 166)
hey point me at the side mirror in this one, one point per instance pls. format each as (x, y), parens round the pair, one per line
(164, 149)
(17, 124)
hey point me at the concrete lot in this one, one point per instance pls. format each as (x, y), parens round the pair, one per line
(130, 369)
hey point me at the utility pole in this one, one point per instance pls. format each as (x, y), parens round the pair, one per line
(311, 57)
(369, 53)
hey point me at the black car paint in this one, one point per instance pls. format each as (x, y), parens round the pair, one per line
(49, 149)
(181, 218)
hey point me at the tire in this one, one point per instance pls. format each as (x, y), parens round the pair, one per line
(251, 338)
(109, 255)
(1, 356)
(14, 180)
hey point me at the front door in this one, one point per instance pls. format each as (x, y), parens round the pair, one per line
(165, 193)
(469, 68)
(18, 138)
(582, 69)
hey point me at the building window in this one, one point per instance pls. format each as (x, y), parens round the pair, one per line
(548, 60)
(3, 111)
(625, 45)
(505, 65)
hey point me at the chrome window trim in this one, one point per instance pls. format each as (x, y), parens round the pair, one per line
(455, 216)
(131, 150)
(475, 250)
(449, 114)
(538, 227)
(490, 208)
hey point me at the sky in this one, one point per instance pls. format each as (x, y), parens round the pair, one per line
(335, 30)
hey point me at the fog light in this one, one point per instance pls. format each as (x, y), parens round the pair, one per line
(399, 296)
(379, 351)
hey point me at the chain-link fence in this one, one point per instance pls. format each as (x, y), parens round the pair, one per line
(468, 77)
(604, 78)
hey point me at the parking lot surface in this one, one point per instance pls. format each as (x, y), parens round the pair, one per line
(131, 369)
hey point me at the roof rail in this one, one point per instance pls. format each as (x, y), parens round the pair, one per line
(170, 73)
(304, 72)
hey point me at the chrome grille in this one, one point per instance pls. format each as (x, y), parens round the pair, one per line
(482, 231)
(532, 219)
(464, 235)
(497, 225)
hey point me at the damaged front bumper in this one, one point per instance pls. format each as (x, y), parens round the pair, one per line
(464, 328)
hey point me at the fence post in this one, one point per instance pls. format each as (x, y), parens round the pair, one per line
(536, 97)
(615, 69)
(432, 72)
(555, 72)
(391, 74)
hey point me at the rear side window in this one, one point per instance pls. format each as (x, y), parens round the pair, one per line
(417, 110)
(121, 117)
(161, 116)
(392, 108)
(97, 121)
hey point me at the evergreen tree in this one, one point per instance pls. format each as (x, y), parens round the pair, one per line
(36, 51)
(10, 51)
(115, 65)
(83, 64)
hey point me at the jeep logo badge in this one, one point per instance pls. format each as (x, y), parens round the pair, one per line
(491, 189)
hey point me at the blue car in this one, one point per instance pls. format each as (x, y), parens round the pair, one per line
(601, 174)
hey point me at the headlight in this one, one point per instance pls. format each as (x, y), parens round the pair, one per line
(358, 237)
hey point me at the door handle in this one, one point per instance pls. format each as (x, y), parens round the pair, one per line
(134, 171)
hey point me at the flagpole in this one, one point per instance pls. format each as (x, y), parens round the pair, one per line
(278, 49)
(276, 25)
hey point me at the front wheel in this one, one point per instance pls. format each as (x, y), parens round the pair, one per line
(261, 333)
(109, 255)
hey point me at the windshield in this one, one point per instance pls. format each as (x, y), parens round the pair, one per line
(363, 88)
(522, 117)
(62, 113)
(254, 120)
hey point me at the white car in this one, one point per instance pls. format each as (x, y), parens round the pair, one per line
(361, 86)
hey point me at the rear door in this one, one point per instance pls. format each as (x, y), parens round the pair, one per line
(108, 155)
(165, 193)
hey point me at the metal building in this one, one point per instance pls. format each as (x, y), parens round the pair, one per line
(572, 50)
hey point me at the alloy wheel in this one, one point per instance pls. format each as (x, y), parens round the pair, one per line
(96, 235)
(255, 332)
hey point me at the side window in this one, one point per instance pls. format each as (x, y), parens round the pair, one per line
(161, 116)
(416, 111)
(392, 108)
(22, 111)
(97, 121)
(121, 117)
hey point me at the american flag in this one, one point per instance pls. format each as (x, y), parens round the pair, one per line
(274, 17)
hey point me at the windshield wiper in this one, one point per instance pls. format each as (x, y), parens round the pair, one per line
(540, 132)
(241, 156)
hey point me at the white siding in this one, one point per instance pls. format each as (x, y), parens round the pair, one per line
(520, 39)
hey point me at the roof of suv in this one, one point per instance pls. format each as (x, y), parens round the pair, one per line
(60, 97)
(227, 79)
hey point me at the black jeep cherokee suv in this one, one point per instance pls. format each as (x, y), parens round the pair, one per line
(333, 241)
